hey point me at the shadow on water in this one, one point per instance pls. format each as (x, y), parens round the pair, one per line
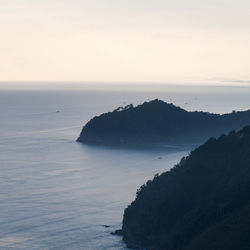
(154, 147)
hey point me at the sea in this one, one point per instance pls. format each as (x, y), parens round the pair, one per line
(56, 193)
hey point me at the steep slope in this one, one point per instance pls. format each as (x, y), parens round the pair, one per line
(202, 203)
(159, 122)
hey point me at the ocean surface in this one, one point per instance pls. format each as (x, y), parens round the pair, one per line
(56, 193)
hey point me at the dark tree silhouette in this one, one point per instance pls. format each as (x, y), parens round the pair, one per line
(201, 203)
(157, 122)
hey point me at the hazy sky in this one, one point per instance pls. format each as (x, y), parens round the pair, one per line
(124, 40)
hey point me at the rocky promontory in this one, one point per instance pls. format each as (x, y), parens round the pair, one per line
(157, 122)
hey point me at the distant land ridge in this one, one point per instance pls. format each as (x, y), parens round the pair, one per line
(157, 122)
(201, 203)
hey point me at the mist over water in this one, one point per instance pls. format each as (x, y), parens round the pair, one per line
(58, 194)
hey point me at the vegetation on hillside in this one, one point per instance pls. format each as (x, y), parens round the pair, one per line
(159, 122)
(201, 203)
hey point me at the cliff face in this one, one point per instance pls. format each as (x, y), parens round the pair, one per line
(158, 122)
(201, 203)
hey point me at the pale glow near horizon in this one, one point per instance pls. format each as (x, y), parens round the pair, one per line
(118, 40)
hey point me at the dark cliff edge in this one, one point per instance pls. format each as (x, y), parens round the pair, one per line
(201, 203)
(158, 122)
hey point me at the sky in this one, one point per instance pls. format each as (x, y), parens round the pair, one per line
(125, 40)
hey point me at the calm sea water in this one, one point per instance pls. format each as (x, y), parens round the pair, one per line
(58, 194)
